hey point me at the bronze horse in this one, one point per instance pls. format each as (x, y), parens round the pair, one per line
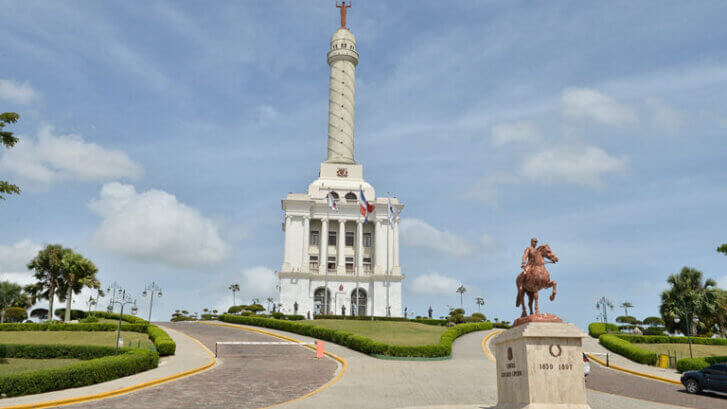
(536, 279)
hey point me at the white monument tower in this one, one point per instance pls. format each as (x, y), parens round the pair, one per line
(334, 249)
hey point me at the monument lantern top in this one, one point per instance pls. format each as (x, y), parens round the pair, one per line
(343, 6)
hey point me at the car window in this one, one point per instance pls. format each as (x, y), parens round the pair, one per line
(719, 367)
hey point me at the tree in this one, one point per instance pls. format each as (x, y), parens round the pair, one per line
(78, 272)
(461, 290)
(653, 321)
(604, 304)
(10, 295)
(626, 305)
(15, 314)
(235, 288)
(48, 266)
(688, 298)
(256, 301)
(480, 302)
(723, 249)
(8, 140)
(269, 301)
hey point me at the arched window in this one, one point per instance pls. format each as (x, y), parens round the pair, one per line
(321, 306)
(350, 197)
(362, 298)
(334, 195)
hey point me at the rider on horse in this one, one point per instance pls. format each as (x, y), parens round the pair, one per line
(528, 257)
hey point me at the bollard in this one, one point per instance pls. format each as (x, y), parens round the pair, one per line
(319, 349)
(607, 363)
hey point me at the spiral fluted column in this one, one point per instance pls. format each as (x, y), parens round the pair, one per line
(342, 58)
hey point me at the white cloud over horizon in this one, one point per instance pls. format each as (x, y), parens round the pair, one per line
(16, 92)
(49, 158)
(514, 132)
(584, 165)
(154, 227)
(586, 103)
(434, 284)
(418, 234)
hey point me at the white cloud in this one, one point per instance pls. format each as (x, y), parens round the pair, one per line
(418, 234)
(51, 157)
(585, 103)
(15, 257)
(487, 189)
(17, 93)
(258, 282)
(663, 115)
(154, 227)
(577, 165)
(434, 284)
(521, 131)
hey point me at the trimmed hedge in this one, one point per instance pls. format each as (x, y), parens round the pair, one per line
(363, 344)
(695, 364)
(664, 339)
(429, 321)
(162, 341)
(596, 329)
(31, 351)
(78, 374)
(501, 325)
(73, 327)
(114, 316)
(627, 349)
(358, 318)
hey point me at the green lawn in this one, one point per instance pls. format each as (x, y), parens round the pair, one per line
(131, 339)
(14, 365)
(682, 350)
(390, 332)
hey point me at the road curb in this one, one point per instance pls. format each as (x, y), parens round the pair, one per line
(122, 391)
(484, 344)
(632, 372)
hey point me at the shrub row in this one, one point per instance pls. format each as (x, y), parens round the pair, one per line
(114, 316)
(429, 321)
(501, 325)
(360, 343)
(72, 327)
(627, 349)
(32, 351)
(78, 374)
(664, 339)
(358, 318)
(596, 329)
(695, 364)
(162, 341)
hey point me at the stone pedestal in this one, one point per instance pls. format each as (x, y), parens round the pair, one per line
(540, 366)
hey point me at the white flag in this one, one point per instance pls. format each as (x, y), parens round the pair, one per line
(393, 213)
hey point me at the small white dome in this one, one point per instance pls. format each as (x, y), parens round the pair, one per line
(343, 34)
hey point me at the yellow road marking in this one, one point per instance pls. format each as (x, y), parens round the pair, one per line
(342, 361)
(632, 372)
(484, 344)
(122, 391)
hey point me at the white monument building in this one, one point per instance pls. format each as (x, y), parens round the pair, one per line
(330, 247)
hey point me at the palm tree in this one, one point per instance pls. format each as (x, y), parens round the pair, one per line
(461, 290)
(11, 294)
(480, 302)
(78, 272)
(255, 301)
(604, 304)
(48, 268)
(235, 288)
(626, 305)
(269, 300)
(689, 299)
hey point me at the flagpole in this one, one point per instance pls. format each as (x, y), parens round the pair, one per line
(388, 271)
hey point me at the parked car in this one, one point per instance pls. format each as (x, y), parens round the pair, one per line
(586, 365)
(712, 377)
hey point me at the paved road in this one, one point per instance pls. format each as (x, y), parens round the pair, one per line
(261, 376)
(620, 383)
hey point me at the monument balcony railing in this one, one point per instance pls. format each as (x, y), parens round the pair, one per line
(313, 267)
(367, 269)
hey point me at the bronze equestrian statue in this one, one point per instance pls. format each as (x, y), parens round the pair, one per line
(534, 276)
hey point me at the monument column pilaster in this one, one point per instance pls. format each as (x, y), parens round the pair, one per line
(323, 261)
(287, 245)
(396, 243)
(341, 265)
(379, 241)
(359, 244)
(305, 263)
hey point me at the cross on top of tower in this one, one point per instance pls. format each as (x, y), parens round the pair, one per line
(343, 6)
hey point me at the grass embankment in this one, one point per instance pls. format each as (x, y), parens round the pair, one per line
(388, 332)
(682, 350)
(17, 365)
(103, 338)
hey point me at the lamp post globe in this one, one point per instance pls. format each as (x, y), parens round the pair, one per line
(110, 308)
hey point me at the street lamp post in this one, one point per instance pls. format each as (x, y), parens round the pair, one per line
(111, 289)
(689, 329)
(151, 289)
(122, 299)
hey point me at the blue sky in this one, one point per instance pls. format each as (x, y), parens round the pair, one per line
(159, 137)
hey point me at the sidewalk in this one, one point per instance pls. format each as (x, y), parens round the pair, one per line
(190, 356)
(591, 344)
